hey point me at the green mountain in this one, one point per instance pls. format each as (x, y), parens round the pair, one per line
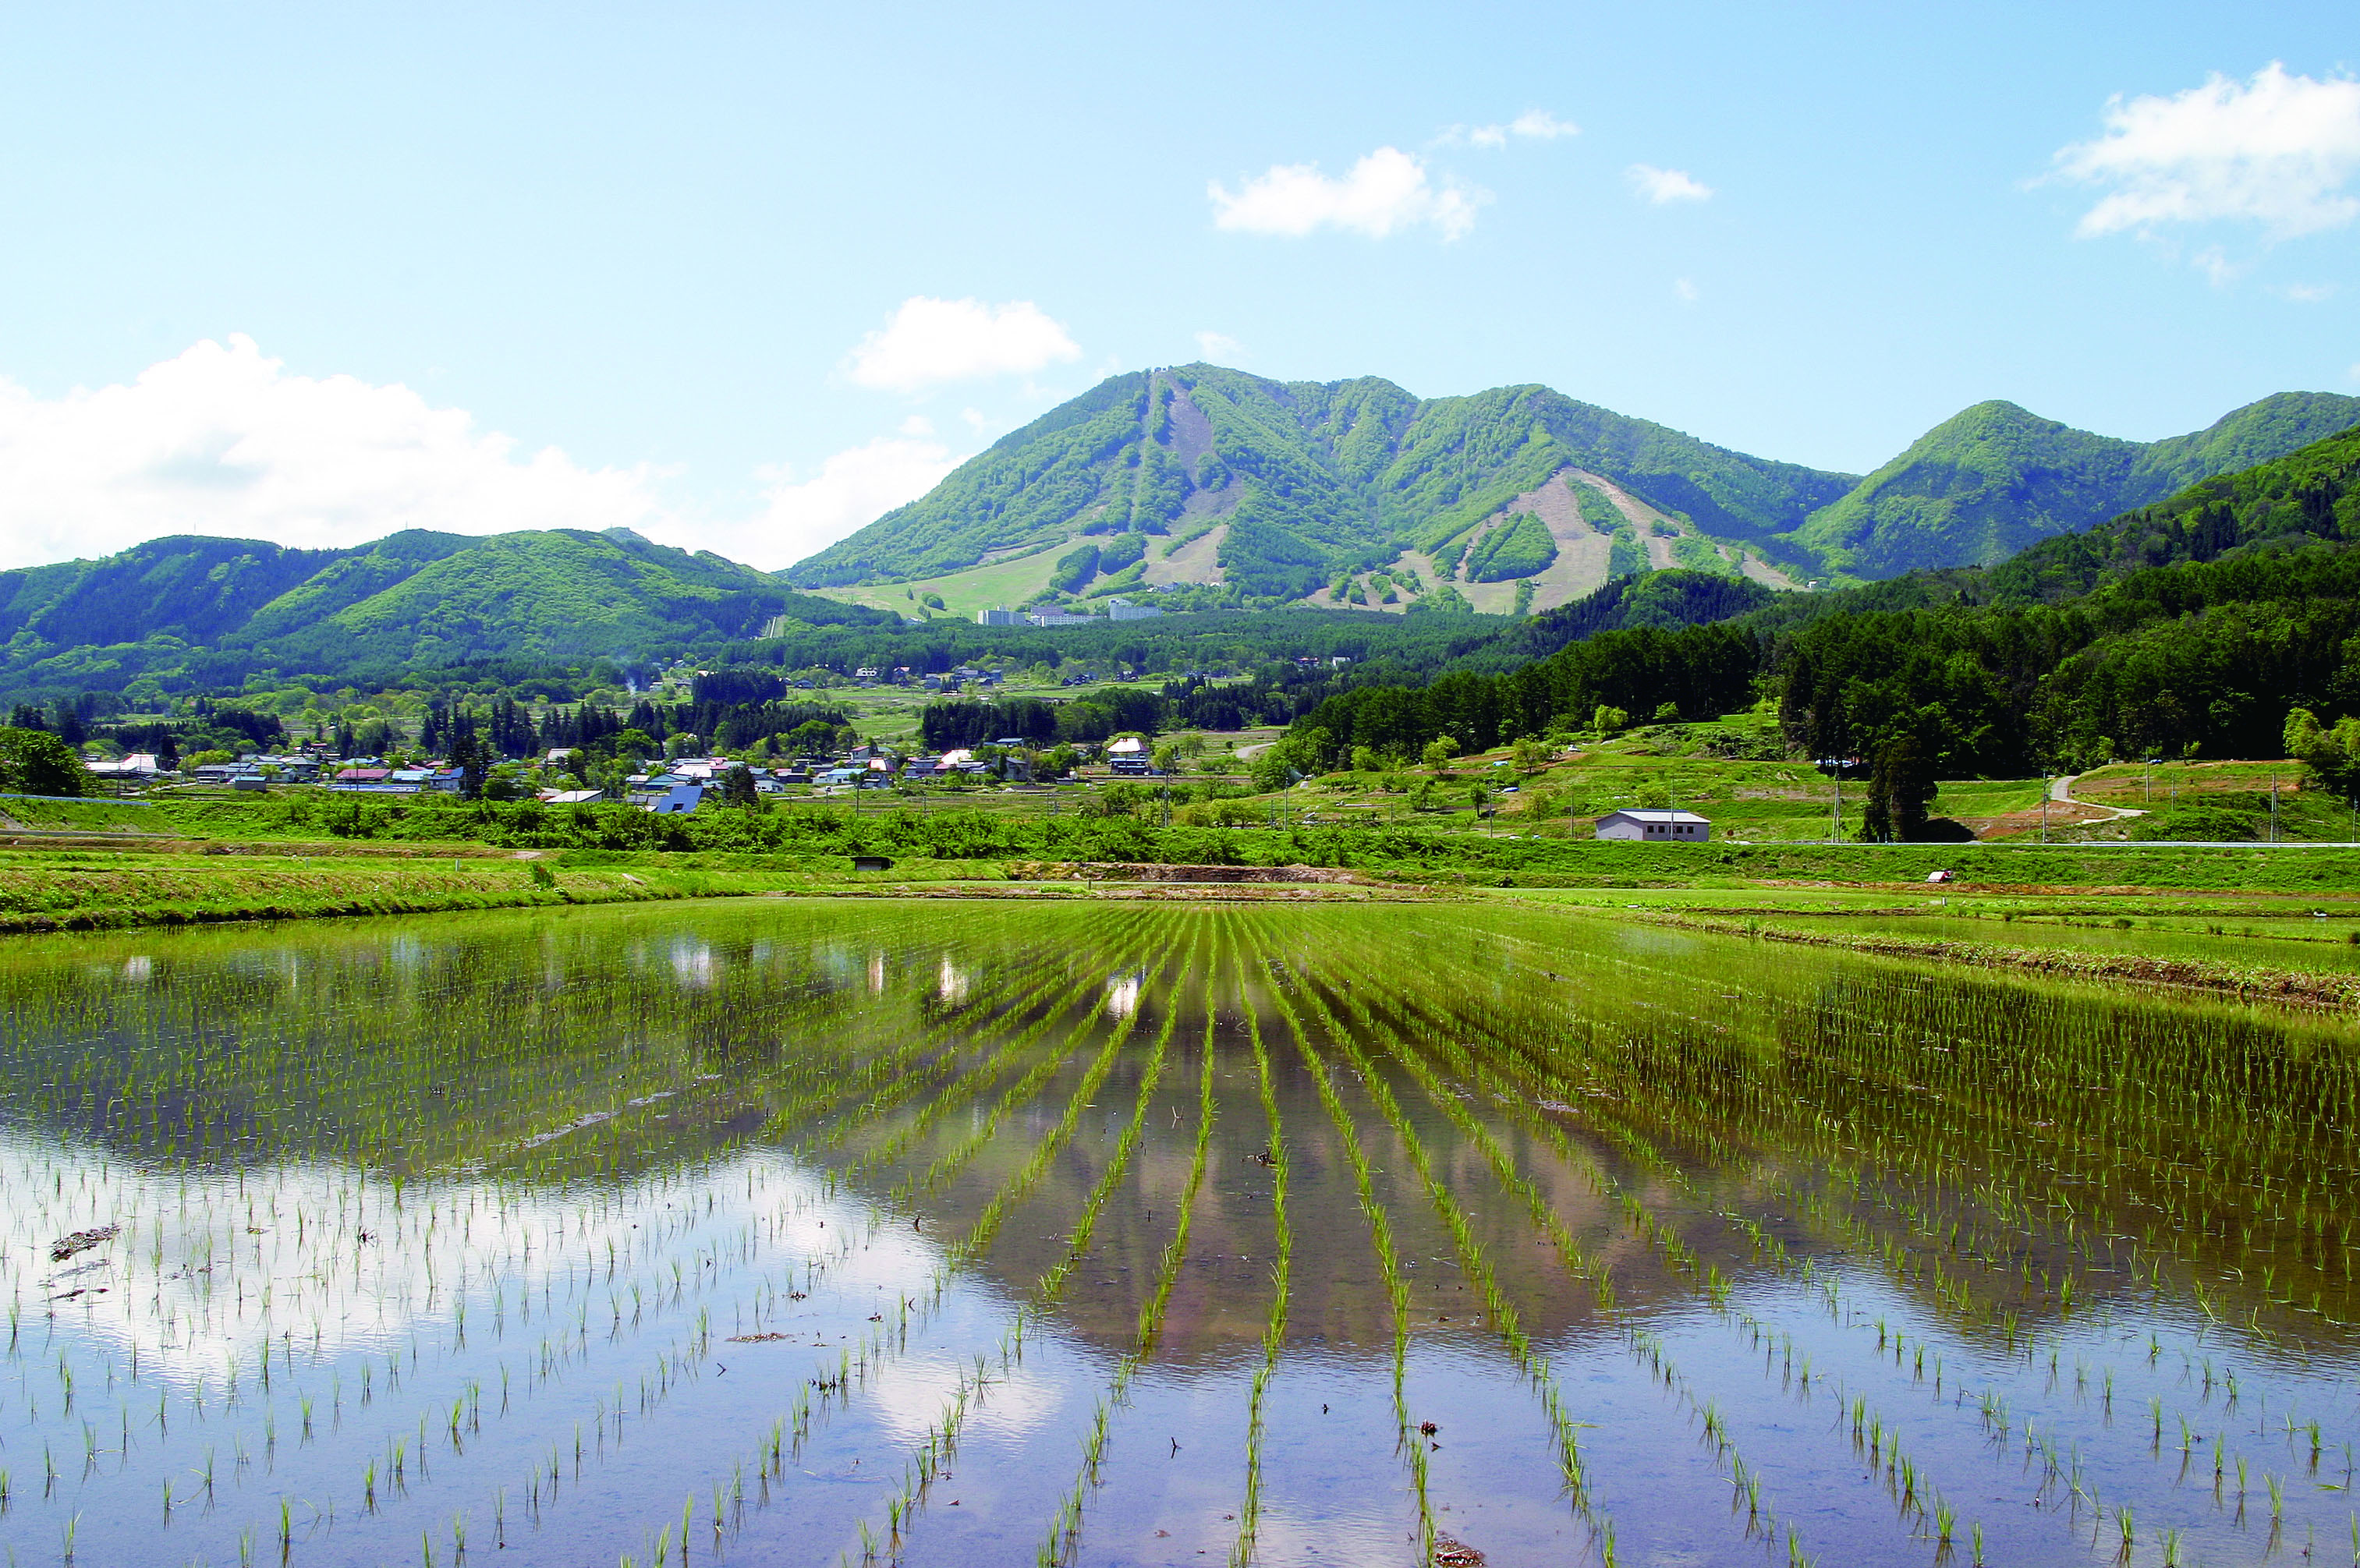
(1355, 493)
(2191, 628)
(196, 608)
(1297, 484)
(1988, 481)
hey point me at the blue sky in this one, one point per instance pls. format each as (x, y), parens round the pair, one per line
(309, 277)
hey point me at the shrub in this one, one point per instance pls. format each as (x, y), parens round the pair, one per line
(1518, 548)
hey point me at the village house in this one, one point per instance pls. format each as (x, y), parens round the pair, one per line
(1654, 826)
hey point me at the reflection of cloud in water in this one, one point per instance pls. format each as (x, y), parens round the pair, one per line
(951, 983)
(1122, 994)
(877, 972)
(201, 1261)
(692, 964)
(1019, 1401)
(138, 968)
(1328, 1539)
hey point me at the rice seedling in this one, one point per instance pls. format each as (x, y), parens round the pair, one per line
(358, 1178)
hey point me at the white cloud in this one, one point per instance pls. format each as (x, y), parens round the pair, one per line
(2309, 293)
(2277, 150)
(1219, 347)
(930, 342)
(1684, 289)
(1387, 190)
(222, 440)
(1663, 185)
(2216, 267)
(1542, 126)
(852, 489)
(1534, 124)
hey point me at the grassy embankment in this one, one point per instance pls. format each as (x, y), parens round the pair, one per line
(1735, 770)
(107, 879)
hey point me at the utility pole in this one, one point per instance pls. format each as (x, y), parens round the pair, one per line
(1835, 815)
(2044, 805)
(2274, 808)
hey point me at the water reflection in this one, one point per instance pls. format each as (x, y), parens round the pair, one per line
(1147, 1235)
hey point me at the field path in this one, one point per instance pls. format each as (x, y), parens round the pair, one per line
(2061, 790)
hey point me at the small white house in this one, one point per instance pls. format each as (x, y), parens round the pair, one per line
(1654, 826)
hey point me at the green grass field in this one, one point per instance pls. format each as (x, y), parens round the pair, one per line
(1003, 584)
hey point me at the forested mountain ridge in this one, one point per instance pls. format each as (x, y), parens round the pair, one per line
(191, 610)
(1993, 479)
(2191, 628)
(1309, 481)
(1356, 493)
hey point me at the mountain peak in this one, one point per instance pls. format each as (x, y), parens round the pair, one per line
(1345, 491)
(1995, 477)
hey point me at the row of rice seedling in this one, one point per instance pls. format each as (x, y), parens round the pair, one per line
(980, 1077)
(884, 1082)
(1578, 1262)
(1716, 1431)
(1019, 1093)
(1899, 1467)
(1901, 1259)
(1064, 1528)
(1274, 1156)
(930, 1452)
(1503, 1315)
(406, 1464)
(1774, 1251)
(1389, 1269)
(2029, 1349)
(433, 1285)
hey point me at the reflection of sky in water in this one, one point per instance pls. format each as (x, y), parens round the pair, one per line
(692, 964)
(199, 1265)
(532, 1308)
(765, 1136)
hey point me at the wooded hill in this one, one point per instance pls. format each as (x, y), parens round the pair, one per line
(1192, 471)
(1358, 492)
(2191, 628)
(190, 612)
(1298, 485)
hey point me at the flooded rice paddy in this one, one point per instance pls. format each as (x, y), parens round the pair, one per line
(944, 1234)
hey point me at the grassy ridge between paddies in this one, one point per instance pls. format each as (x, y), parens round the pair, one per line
(293, 855)
(820, 834)
(2224, 974)
(174, 883)
(94, 890)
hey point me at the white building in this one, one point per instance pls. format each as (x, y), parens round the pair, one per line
(1654, 826)
(998, 619)
(1124, 610)
(138, 765)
